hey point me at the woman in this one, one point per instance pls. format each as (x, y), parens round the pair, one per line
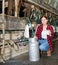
(45, 34)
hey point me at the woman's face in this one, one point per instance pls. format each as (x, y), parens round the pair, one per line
(44, 21)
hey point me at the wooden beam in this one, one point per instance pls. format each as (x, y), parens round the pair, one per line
(44, 6)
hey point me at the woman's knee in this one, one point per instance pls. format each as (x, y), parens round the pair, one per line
(43, 48)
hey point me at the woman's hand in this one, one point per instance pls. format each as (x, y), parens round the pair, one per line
(36, 37)
(49, 32)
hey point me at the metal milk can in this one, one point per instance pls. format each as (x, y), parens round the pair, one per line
(33, 50)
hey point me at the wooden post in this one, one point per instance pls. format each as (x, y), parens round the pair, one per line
(3, 27)
(18, 5)
(16, 8)
(10, 3)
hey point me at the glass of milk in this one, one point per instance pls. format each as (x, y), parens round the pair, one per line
(48, 32)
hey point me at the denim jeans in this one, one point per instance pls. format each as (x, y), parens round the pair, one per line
(43, 45)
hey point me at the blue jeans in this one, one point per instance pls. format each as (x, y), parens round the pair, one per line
(43, 45)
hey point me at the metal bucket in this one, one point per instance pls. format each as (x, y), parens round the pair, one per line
(33, 50)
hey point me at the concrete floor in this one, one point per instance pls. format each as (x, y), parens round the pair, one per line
(44, 60)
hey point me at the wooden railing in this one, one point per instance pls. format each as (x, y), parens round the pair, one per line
(13, 23)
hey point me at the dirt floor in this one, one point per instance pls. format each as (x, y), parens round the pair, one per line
(44, 60)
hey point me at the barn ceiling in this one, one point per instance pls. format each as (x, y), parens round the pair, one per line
(53, 3)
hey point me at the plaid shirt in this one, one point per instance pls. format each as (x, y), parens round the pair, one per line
(49, 38)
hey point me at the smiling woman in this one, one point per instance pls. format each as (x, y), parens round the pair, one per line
(45, 35)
